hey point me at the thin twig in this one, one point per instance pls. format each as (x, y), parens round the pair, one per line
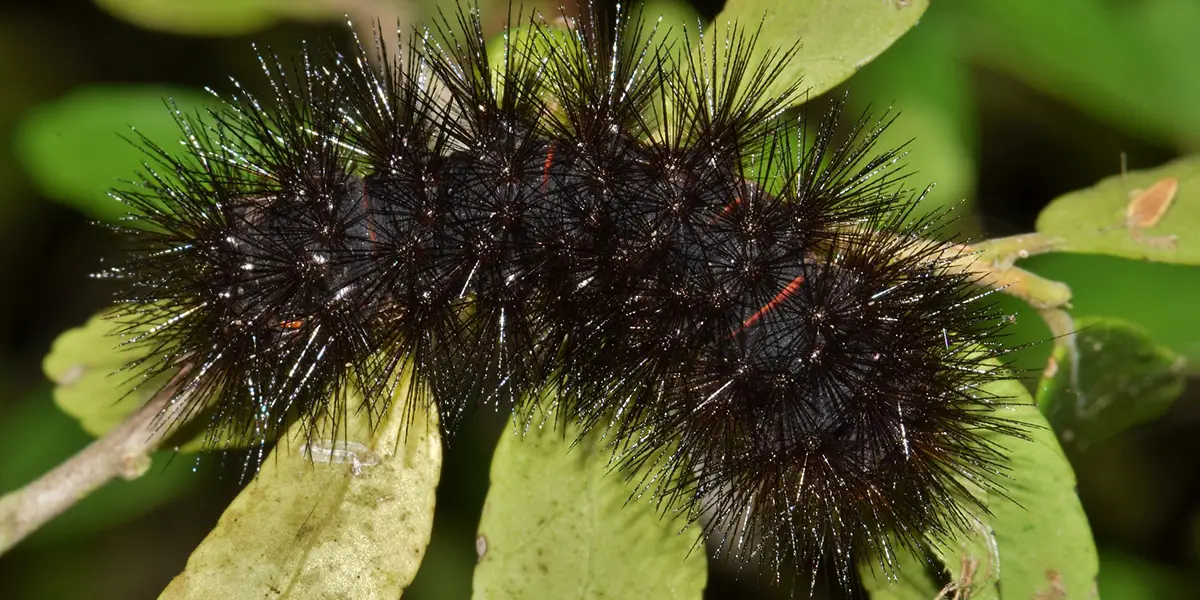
(1050, 298)
(992, 264)
(123, 452)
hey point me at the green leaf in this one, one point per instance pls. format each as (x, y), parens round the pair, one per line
(837, 37)
(912, 579)
(215, 17)
(1092, 220)
(556, 524)
(83, 364)
(78, 148)
(1129, 577)
(673, 19)
(1035, 543)
(1118, 61)
(1167, 30)
(1042, 535)
(972, 559)
(1120, 378)
(1158, 297)
(923, 77)
(352, 521)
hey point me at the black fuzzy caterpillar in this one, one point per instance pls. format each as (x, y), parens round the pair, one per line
(782, 352)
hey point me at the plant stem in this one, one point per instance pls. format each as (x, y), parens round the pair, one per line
(994, 261)
(123, 452)
(1007, 250)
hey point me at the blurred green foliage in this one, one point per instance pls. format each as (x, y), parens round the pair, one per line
(78, 130)
(1111, 377)
(217, 17)
(1008, 105)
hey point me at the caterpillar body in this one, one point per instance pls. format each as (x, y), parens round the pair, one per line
(742, 302)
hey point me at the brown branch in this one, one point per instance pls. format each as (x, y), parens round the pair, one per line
(123, 452)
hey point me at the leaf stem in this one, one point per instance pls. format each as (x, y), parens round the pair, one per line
(994, 261)
(1007, 250)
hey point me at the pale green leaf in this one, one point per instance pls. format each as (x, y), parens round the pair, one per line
(1093, 220)
(346, 518)
(1042, 534)
(556, 525)
(909, 578)
(837, 37)
(1033, 543)
(86, 366)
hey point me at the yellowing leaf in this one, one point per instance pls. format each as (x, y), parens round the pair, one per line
(91, 385)
(347, 518)
(84, 365)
